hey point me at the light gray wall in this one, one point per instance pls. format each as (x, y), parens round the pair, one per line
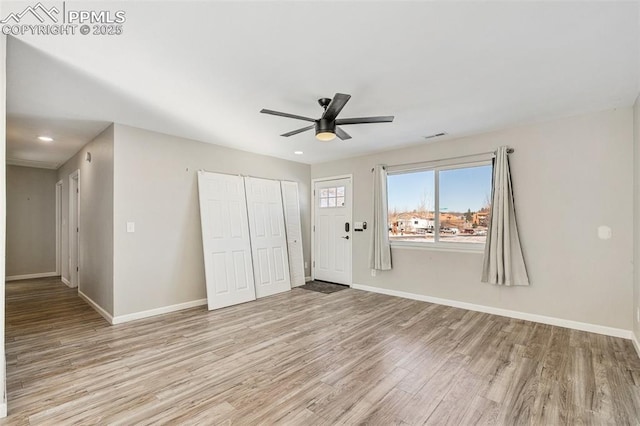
(3, 144)
(96, 218)
(161, 264)
(636, 217)
(569, 177)
(31, 221)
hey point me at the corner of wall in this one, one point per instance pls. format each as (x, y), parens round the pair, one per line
(636, 224)
(3, 102)
(115, 130)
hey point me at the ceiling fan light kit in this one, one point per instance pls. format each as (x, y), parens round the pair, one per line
(325, 130)
(326, 127)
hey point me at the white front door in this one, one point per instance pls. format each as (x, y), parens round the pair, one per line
(268, 238)
(291, 204)
(225, 239)
(332, 231)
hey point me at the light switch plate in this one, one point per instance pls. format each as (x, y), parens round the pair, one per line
(131, 227)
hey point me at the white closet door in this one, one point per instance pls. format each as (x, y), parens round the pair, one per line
(268, 239)
(291, 204)
(225, 239)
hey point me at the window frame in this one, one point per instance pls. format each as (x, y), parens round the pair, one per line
(437, 167)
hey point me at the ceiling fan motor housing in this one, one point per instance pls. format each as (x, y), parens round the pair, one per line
(325, 126)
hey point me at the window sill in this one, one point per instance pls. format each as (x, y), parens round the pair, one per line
(448, 247)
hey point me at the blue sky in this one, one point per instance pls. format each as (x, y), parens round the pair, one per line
(460, 189)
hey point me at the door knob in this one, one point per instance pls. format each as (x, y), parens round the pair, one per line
(346, 238)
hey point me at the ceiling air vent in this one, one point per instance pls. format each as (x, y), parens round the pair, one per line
(435, 135)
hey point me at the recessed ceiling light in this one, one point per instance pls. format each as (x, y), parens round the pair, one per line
(298, 152)
(45, 138)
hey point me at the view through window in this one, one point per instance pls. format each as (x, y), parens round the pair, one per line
(461, 214)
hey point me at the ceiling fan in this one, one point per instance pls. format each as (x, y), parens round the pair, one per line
(327, 125)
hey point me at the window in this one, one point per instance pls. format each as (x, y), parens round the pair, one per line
(332, 197)
(442, 206)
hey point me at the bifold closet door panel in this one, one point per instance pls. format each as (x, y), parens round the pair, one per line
(291, 205)
(225, 239)
(268, 237)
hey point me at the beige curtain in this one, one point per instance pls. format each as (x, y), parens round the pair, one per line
(380, 253)
(503, 259)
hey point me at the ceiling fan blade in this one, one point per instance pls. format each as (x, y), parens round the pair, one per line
(364, 120)
(295, 132)
(286, 114)
(337, 103)
(342, 134)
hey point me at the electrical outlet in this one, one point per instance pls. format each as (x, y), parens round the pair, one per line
(373, 272)
(306, 265)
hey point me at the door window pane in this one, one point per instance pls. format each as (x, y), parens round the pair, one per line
(332, 197)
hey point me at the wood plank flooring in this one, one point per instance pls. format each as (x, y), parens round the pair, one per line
(307, 358)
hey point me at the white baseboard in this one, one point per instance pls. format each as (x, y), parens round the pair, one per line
(97, 307)
(576, 325)
(636, 344)
(31, 276)
(307, 279)
(158, 311)
(65, 281)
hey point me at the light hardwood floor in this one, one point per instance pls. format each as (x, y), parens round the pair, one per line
(307, 358)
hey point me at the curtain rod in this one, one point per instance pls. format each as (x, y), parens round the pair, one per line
(509, 151)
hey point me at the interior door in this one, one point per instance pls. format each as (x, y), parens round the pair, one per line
(74, 229)
(59, 228)
(225, 239)
(291, 205)
(268, 238)
(332, 231)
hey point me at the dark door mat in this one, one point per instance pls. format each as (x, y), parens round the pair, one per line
(323, 287)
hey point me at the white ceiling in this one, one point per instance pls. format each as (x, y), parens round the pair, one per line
(203, 70)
